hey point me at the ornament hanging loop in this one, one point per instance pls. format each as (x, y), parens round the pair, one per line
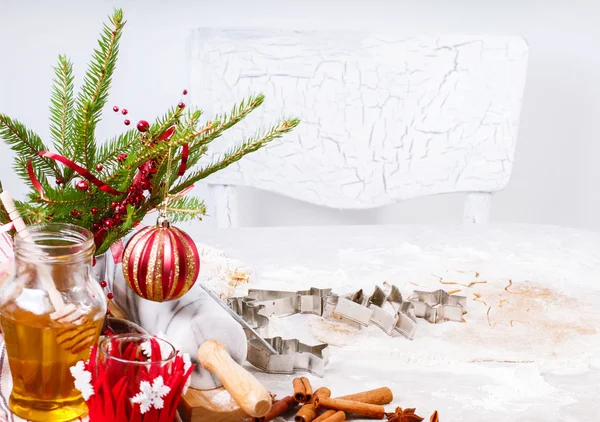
(163, 220)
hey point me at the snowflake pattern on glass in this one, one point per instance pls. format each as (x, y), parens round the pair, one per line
(151, 395)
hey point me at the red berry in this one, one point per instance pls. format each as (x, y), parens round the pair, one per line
(124, 111)
(110, 296)
(74, 213)
(99, 167)
(143, 126)
(185, 92)
(82, 185)
(108, 312)
(94, 210)
(113, 204)
(181, 105)
(121, 158)
(59, 180)
(103, 284)
(127, 122)
(115, 109)
(95, 226)
(120, 209)
(94, 261)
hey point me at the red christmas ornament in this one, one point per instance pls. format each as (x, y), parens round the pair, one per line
(127, 122)
(94, 210)
(121, 158)
(115, 109)
(74, 213)
(82, 185)
(181, 105)
(124, 111)
(161, 262)
(99, 167)
(143, 126)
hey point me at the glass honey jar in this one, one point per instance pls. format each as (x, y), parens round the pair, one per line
(51, 313)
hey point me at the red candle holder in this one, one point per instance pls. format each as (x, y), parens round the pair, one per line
(133, 378)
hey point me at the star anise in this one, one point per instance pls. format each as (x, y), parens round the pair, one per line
(434, 417)
(406, 415)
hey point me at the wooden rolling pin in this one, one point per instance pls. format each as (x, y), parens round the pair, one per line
(252, 397)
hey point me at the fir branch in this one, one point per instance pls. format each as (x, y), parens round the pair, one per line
(94, 91)
(235, 154)
(32, 214)
(162, 124)
(108, 152)
(26, 144)
(61, 106)
(127, 143)
(186, 208)
(239, 111)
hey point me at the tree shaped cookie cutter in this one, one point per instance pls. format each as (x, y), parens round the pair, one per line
(292, 355)
(363, 311)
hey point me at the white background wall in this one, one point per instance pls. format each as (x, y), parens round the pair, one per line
(556, 173)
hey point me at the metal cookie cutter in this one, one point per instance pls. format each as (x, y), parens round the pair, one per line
(439, 306)
(292, 356)
(362, 311)
(259, 305)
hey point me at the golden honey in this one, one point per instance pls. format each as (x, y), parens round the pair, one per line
(40, 353)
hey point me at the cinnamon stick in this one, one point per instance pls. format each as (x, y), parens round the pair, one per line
(302, 390)
(335, 417)
(326, 415)
(354, 407)
(308, 412)
(279, 408)
(381, 395)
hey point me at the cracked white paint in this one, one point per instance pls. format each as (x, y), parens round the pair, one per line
(384, 117)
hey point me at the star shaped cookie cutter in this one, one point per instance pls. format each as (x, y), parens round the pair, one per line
(438, 306)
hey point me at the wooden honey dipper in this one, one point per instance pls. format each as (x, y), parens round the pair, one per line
(64, 313)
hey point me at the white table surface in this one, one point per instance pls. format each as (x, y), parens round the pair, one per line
(446, 367)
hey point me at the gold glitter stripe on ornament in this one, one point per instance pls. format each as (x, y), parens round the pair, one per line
(146, 241)
(190, 261)
(158, 290)
(151, 270)
(175, 278)
(132, 279)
